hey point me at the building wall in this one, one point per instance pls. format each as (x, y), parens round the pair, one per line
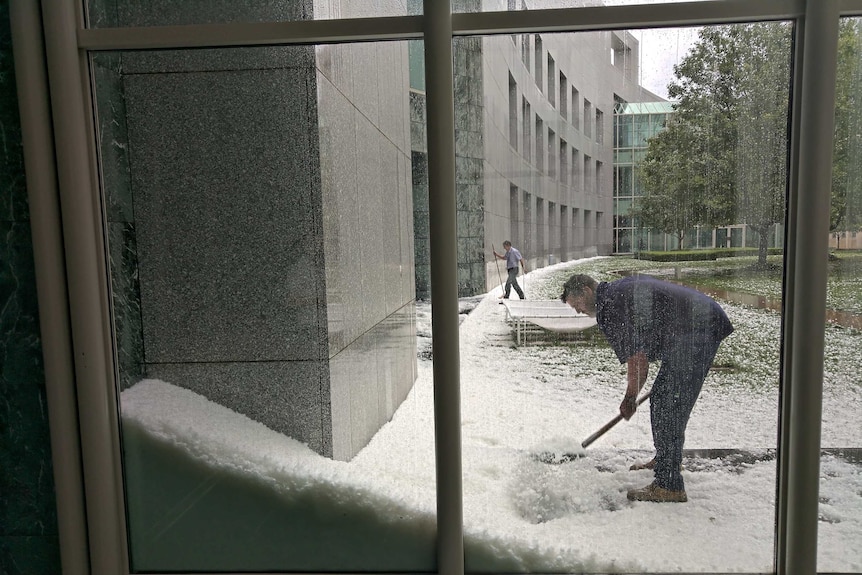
(555, 207)
(634, 124)
(419, 185)
(29, 542)
(471, 150)
(846, 240)
(261, 240)
(367, 203)
(551, 193)
(469, 167)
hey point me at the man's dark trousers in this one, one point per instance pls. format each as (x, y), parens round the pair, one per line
(512, 282)
(675, 390)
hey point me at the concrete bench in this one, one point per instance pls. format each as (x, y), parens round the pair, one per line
(552, 315)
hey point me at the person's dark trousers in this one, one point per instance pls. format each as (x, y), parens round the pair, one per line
(512, 282)
(675, 391)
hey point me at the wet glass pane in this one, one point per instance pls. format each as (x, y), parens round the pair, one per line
(466, 6)
(128, 13)
(841, 456)
(555, 479)
(274, 414)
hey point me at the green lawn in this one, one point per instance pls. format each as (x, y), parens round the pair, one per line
(751, 355)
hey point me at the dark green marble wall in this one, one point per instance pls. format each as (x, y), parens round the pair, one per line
(28, 523)
(469, 173)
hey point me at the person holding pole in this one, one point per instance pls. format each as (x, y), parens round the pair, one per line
(513, 258)
(645, 320)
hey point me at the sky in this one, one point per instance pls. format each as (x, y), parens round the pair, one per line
(660, 50)
(521, 513)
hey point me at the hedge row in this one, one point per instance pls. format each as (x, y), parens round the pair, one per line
(702, 255)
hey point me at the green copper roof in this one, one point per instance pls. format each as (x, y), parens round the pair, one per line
(644, 108)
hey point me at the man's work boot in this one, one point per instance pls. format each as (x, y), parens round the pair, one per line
(648, 465)
(656, 494)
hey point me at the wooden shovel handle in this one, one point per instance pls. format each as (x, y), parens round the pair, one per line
(619, 417)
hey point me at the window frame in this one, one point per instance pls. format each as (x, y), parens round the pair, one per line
(79, 362)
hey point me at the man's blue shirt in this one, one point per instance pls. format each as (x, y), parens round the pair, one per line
(640, 313)
(513, 256)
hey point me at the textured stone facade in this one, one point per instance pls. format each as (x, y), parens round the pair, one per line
(260, 227)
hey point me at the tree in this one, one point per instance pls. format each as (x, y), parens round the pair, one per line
(706, 88)
(733, 93)
(762, 118)
(674, 182)
(846, 203)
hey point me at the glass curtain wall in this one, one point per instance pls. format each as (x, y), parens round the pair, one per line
(635, 123)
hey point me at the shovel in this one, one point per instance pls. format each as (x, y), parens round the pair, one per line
(556, 458)
(606, 427)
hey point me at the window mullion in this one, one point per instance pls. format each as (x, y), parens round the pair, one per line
(86, 271)
(808, 235)
(444, 284)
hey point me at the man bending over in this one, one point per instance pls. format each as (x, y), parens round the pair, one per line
(646, 320)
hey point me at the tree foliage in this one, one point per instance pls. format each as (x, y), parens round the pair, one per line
(731, 125)
(762, 146)
(732, 93)
(677, 180)
(846, 205)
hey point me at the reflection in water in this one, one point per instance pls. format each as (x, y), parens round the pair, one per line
(834, 316)
(842, 318)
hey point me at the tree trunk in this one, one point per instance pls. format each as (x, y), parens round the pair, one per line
(763, 247)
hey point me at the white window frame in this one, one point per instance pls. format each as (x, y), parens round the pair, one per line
(53, 48)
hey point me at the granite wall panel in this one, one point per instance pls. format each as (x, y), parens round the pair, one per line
(286, 396)
(408, 266)
(219, 59)
(418, 123)
(369, 380)
(368, 252)
(109, 13)
(421, 229)
(366, 82)
(340, 218)
(470, 172)
(119, 212)
(260, 221)
(393, 195)
(227, 215)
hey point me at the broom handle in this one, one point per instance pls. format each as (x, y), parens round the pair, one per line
(497, 263)
(611, 423)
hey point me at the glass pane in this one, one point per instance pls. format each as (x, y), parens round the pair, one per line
(539, 380)
(265, 328)
(841, 456)
(512, 5)
(129, 13)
